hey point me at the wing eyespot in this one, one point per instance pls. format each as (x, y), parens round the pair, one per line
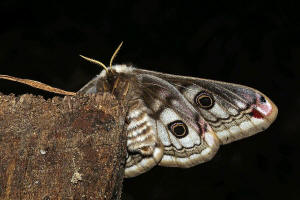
(178, 128)
(204, 100)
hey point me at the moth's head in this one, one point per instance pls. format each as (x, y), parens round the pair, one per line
(115, 71)
(115, 79)
(110, 77)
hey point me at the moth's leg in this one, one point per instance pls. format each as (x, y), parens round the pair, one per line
(126, 89)
(144, 149)
(116, 83)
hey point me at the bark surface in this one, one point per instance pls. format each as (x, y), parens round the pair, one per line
(61, 148)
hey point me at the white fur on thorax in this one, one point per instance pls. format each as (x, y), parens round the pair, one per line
(118, 68)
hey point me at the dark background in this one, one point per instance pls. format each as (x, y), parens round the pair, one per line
(253, 43)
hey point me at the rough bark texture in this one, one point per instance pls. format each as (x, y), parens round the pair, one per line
(61, 148)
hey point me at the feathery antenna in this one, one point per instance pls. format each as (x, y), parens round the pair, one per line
(95, 61)
(100, 63)
(115, 54)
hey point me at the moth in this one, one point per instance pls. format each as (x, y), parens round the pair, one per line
(176, 121)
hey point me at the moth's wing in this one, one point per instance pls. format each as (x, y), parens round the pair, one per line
(237, 111)
(171, 111)
(197, 146)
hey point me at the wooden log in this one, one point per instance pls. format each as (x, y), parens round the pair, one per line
(61, 148)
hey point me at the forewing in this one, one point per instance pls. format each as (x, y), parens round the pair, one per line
(236, 112)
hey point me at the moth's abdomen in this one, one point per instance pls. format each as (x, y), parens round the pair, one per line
(144, 151)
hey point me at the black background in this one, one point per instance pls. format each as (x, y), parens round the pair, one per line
(254, 43)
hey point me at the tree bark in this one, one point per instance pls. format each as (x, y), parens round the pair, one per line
(61, 148)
